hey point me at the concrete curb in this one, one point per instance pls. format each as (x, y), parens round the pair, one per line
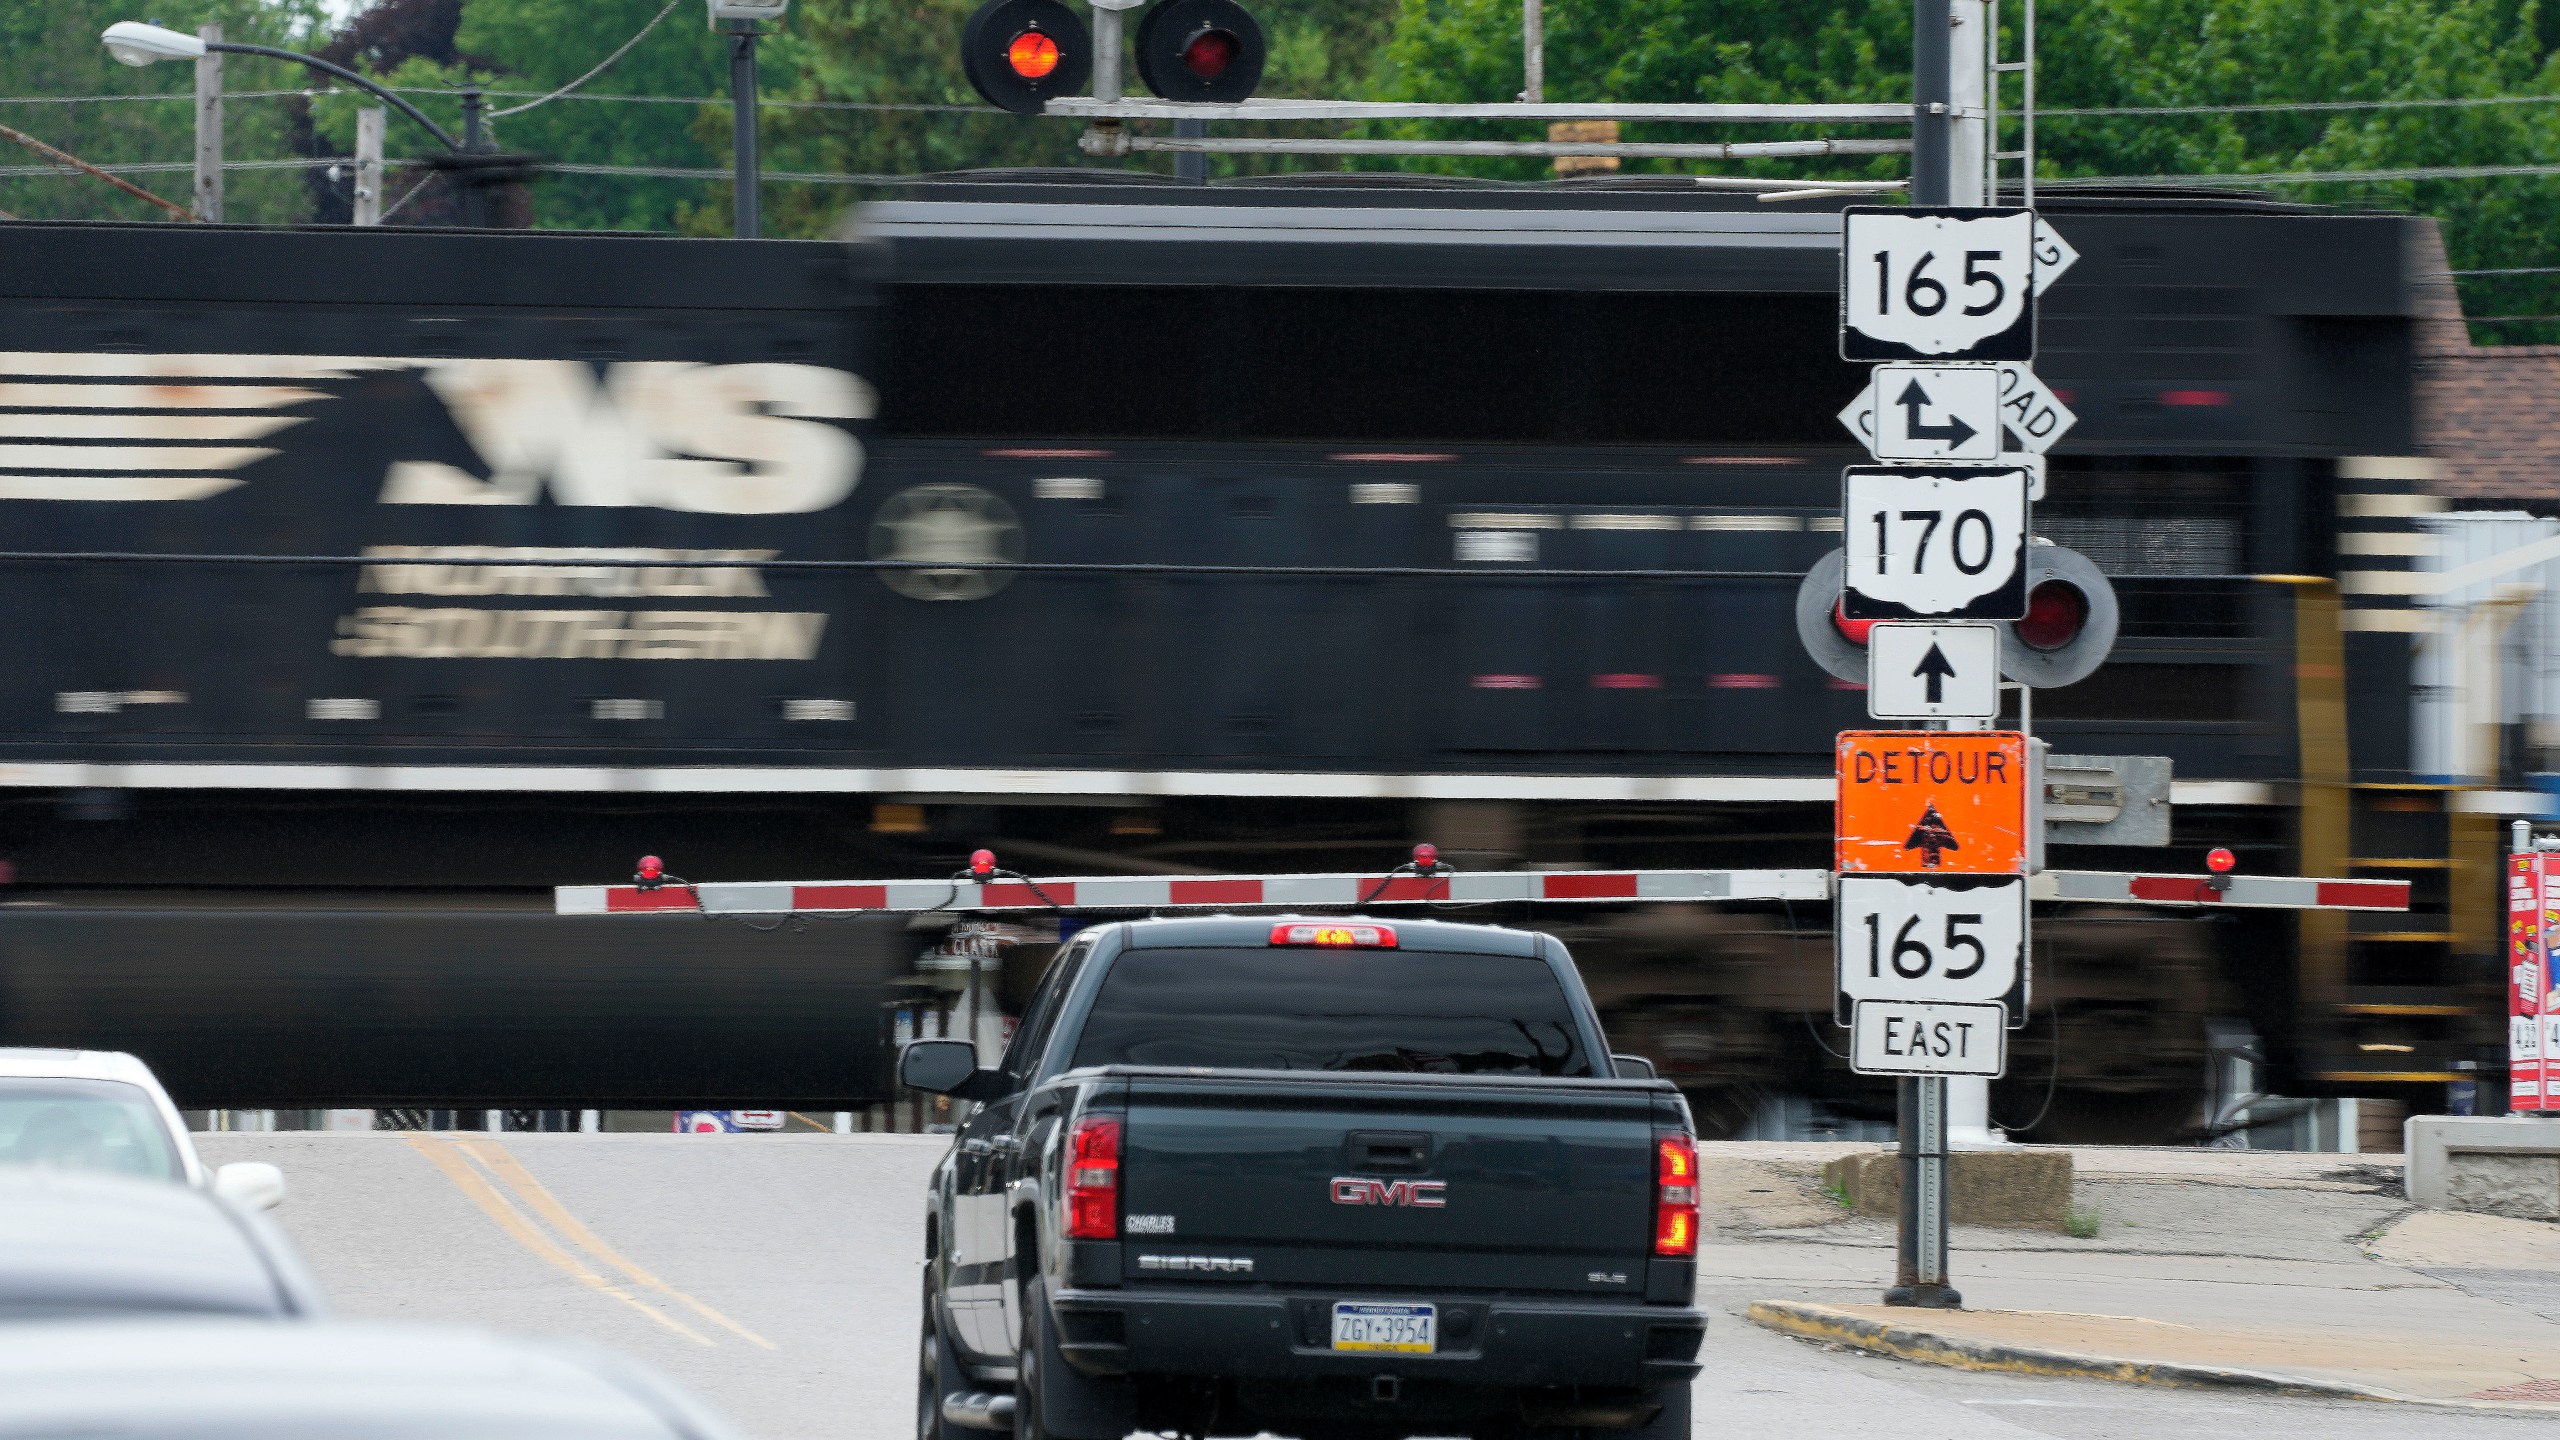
(1922, 1346)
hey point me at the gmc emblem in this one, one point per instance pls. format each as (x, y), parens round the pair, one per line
(1411, 1194)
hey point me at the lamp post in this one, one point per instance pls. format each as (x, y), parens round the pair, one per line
(476, 162)
(138, 44)
(742, 21)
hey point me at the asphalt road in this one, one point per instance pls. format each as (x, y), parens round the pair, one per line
(776, 1274)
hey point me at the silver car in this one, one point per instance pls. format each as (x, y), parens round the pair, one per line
(207, 1379)
(88, 1244)
(103, 1110)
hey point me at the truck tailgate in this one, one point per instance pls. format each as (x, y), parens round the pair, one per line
(1330, 1180)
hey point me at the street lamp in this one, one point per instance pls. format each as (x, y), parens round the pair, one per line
(741, 21)
(475, 163)
(138, 44)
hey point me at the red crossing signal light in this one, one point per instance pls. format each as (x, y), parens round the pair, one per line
(1021, 54)
(1205, 50)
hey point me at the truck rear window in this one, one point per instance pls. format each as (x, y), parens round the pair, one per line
(1415, 1011)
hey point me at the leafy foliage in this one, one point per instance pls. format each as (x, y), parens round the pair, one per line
(873, 87)
(2090, 54)
(52, 49)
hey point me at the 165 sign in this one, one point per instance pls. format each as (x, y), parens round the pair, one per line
(1937, 284)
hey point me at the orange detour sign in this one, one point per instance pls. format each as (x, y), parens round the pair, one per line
(1933, 802)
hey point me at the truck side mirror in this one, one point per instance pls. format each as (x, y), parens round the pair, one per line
(1634, 1067)
(942, 1067)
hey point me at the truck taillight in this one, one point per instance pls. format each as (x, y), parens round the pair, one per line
(1675, 1211)
(1353, 937)
(1093, 1179)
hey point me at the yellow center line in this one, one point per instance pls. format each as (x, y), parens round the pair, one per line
(445, 1156)
(507, 1168)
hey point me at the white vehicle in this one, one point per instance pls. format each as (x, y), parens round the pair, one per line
(104, 1110)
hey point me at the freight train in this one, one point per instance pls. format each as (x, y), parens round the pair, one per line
(366, 583)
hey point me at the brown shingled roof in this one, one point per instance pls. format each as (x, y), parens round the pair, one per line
(2490, 413)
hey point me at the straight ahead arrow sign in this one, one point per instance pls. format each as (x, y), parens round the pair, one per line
(1933, 672)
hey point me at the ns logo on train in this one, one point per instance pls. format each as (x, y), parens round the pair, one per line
(747, 439)
(511, 509)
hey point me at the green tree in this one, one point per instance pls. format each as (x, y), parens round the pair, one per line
(2092, 54)
(536, 46)
(52, 50)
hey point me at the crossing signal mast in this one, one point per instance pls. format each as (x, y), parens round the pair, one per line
(1202, 60)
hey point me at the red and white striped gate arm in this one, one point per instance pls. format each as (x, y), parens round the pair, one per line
(1224, 892)
(2248, 892)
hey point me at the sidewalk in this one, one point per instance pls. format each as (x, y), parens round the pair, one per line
(2292, 1272)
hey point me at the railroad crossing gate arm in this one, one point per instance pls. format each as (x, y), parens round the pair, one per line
(1205, 892)
(1425, 883)
(2250, 892)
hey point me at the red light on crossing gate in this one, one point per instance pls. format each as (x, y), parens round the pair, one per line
(651, 867)
(982, 863)
(1426, 857)
(2220, 861)
(1021, 54)
(1200, 50)
(1032, 55)
(1210, 53)
(2055, 612)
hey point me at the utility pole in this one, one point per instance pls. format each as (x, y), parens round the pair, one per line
(369, 125)
(1932, 101)
(742, 129)
(1920, 1268)
(1968, 53)
(1191, 166)
(1968, 183)
(1533, 51)
(209, 127)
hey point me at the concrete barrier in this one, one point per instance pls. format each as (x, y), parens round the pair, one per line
(2021, 1189)
(2494, 1165)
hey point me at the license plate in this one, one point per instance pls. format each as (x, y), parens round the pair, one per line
(1405, 1329)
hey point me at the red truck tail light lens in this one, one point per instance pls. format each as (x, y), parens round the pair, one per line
(1093, 1179)
(1675, 1211)
(1348, 937)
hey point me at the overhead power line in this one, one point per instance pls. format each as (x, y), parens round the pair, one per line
(2319, 177)
(160, 95)
(535, 96)
(2285, 107)
(164, 167)
(724, 100)
(601, 66)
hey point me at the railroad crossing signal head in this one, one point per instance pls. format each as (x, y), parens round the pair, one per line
(1209, 50)
(1021, 54)
(2068, 630)
(1836, 643)
(2070, 624)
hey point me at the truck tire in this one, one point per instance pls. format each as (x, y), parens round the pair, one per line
(937, 1375)
(1051, 1401)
